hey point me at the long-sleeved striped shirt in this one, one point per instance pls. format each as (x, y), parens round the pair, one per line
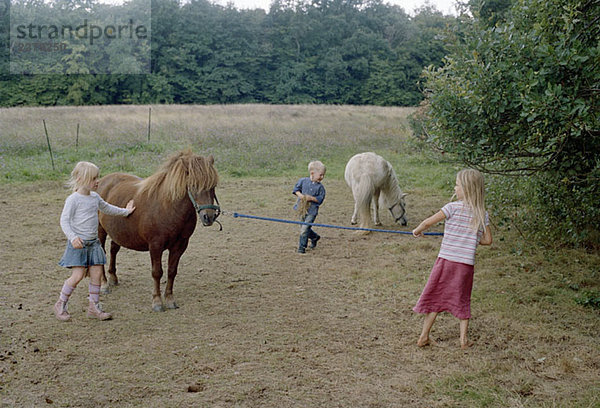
(460, 241)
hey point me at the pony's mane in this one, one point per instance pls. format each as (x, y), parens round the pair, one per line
(391, 191)
(182, 171)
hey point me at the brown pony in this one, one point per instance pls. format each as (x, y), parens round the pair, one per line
(165, 215)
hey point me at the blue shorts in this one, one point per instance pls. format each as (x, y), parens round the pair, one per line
(91, 254)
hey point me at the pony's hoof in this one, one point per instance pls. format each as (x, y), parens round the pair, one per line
(158, 308)
(352, 222)
(105, 290)
(170, 302)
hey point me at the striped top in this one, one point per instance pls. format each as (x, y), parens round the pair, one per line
(460, 241)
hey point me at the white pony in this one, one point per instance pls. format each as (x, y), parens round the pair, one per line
(373, 180)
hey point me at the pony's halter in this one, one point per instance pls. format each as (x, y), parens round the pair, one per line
(401, 207)
(199, 207)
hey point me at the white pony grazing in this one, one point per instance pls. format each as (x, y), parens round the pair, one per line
(373, 180)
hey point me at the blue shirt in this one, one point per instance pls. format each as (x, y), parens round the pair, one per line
(313, 188)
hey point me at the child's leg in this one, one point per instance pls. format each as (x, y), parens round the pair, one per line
(60, 307)
(95, 282)
(305, 232)
(65, 292)
(464, 341)
(427, 324)
(94, 288)
(77, 274)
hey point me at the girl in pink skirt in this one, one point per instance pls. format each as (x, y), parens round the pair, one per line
(451, 280)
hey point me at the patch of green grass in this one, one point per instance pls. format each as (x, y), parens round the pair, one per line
(589, 298)
(476, 389)
(246, 141)
(36, 165)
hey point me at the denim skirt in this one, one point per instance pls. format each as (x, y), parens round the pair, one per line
(91, 254)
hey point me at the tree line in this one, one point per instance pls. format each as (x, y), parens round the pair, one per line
(307, 51)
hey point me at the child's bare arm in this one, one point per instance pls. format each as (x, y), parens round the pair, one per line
(486, 238)
(427, 223)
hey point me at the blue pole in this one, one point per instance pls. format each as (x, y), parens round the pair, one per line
(238, 215)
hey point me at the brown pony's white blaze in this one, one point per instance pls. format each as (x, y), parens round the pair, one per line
(165, 217)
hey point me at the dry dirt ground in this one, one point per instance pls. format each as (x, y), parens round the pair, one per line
(260, 325)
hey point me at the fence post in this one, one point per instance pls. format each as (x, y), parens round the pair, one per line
(48, 141)
(149, 121)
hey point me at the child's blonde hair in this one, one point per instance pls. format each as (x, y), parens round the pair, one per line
(83, 173)
(471, 181)
(316, 166)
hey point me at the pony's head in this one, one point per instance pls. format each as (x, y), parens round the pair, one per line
(186, 174)
(398, 210)
(202, 181)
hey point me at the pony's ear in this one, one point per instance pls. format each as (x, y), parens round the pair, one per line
(404, 195)
(211, 159)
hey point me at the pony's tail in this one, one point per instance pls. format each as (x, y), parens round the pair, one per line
(363, 194)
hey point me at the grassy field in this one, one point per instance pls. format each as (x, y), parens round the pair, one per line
(259, 326)
(247, 140)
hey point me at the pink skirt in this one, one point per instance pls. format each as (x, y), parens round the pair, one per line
(448, 289)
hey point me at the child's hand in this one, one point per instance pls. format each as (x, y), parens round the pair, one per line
(130, 206)
(417, 233)
(77, 243)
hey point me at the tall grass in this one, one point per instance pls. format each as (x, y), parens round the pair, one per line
(246, 140)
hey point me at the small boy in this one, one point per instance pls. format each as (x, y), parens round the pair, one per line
(311, 190)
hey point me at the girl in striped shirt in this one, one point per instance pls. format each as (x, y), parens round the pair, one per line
(451, 279)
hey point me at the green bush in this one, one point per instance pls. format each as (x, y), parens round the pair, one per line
(547, 208)
(520, 99)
